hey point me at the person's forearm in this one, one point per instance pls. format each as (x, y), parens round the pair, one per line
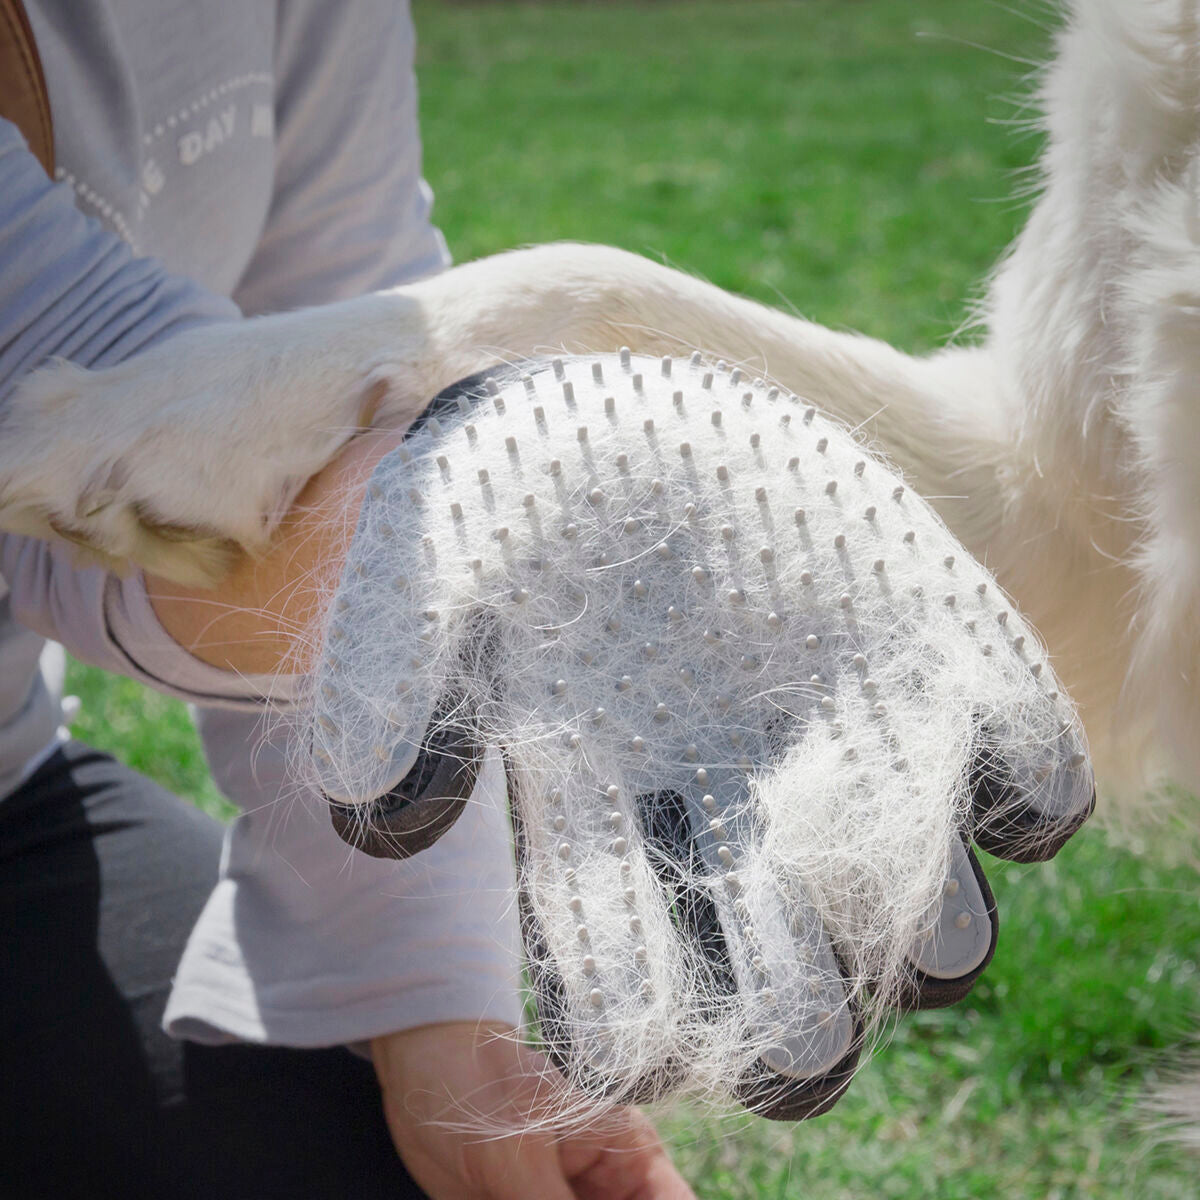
(257, 618)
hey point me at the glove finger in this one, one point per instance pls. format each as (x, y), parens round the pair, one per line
(365, 737)
(394, 636)
(769, 955)
(959, 945)
(411, 816)
(396, 773)
(1031, 780)
(1028, 813)
(602, 955)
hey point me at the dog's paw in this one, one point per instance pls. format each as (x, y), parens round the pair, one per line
(179, 458)
(81, 463)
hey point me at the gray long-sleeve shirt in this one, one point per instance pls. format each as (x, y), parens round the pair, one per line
(220, 158)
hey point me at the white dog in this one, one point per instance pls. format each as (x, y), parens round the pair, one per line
(1064, 451)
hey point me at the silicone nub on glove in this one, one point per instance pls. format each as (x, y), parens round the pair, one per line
(754, 701)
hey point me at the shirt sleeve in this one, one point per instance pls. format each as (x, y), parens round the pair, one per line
(71, 289)
(307, 943)
(351, 212)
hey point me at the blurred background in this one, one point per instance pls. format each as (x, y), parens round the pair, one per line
(863, 163)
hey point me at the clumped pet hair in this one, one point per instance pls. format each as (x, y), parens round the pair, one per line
(745, 683)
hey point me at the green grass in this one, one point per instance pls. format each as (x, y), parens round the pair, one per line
(829, 155)
(838, 154)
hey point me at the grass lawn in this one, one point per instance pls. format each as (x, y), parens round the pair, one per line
(851, 158)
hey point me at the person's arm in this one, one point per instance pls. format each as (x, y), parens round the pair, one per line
(70, 289)
(254, 622)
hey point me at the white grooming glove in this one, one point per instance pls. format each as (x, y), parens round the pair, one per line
(754, 700)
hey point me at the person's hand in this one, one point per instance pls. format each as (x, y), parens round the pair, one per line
(437, 1079)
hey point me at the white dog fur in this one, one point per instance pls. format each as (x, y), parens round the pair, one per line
(1063, 451)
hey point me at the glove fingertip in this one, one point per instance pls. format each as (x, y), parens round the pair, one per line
(923, 989)
(421, 807)
(776, 1096)
(1014, 822)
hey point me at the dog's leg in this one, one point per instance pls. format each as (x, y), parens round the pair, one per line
(1094, 327)
(1056, 451)
(1043, 450)
(203, 441)
(197, 446)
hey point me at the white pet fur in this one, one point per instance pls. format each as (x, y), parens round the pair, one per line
(648, 578)
(1071, 435)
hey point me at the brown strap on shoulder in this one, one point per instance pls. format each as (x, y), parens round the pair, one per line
(23, 97)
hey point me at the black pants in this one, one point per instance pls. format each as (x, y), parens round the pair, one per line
(102, 874)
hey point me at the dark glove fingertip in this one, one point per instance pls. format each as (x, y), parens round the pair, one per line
(421, 807)
(397, 835)
(923, 991)
(776, 1097)
(1005, 825)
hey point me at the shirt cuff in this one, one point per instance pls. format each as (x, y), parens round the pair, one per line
(146, 651)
